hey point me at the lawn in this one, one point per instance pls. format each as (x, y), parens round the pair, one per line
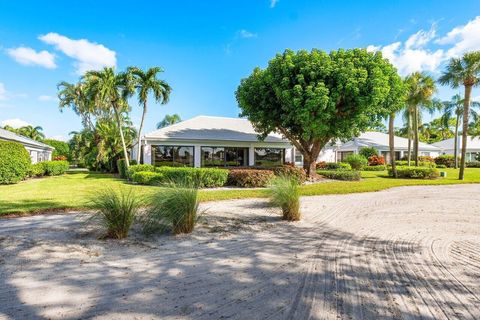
(73, 190)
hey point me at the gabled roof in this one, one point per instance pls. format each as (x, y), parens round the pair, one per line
(10, 136)
(448, 144)
(380, 140)
(212, 128)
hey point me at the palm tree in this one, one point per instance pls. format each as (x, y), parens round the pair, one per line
(10, 128)
(420, 90)
(146, 82)
(32, 132)
(168, 120)
(110, 91)
(74, 96)
(463, 71)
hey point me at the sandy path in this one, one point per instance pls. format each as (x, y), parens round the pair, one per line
(405, 253)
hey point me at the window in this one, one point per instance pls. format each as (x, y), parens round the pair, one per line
(471, 156)
(425, 154)
(298, 157)
(173, 156)
(224, 157)
(269, 157)
(343, 155)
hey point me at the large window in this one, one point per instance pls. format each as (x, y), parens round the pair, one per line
(269, 157)
(224, 157)
(173, 156)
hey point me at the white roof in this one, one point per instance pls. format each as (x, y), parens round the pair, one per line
(212, 128)
(10, 136)
(448, 144)
(380, 140)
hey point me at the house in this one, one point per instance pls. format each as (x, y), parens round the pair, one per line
(473, 147)
(378, 140)
(38, 151)
(206, 141)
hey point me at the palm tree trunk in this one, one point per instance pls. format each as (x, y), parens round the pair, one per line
(139, 138)
(119, 123)
(415, 132)
(455, 145)
(466, 106)
(409, 134)
(391, 143)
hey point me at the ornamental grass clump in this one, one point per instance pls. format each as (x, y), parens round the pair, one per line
(174, 207)
(115, 211)
(285, 193)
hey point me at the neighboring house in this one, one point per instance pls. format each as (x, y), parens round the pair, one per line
(473, 147)
(38, 151)
(206, 141)
(378, 140)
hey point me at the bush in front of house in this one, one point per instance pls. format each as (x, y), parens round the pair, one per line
(250, 178)
(426, 159)
(199, 177)
(472, 164)
(427, 164)
(368, 152)
(376, 161)
(138, 168)
(415, 172)
(148, 178)
(441, 166)
(356, 161)
(54, 168)
(291, 170)
(337, 166)
(446, 159)
(321, 165)
(347, 175)
(14, 162)
(285, 193)
(374, 168)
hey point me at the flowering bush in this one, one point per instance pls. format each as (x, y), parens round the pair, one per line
(59, 158)
(376, 161)
(425, 159)
(321, 165)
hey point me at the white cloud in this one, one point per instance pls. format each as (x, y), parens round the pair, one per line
(88, 55)
(3, 92)
(15, 123)
(29, 57)
(246, 34)
(421, 38)
(47, 98)
(464, 38)
(273, 3)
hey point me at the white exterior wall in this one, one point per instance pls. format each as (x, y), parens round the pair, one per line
(38, 154)
(327, 155)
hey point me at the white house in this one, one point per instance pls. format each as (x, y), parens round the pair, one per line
(377, 140)
(38, 151)
(206, 141)
(473, 147)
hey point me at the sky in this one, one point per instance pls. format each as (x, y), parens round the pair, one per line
(207, 47)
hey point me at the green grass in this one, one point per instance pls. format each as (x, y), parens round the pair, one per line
(72, 191)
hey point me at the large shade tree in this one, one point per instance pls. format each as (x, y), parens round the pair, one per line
(315, 97)
(146, 83)
(464, 71)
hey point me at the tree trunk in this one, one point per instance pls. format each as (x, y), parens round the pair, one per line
(140, 131)
(409, 135)
(310, 159)
(310, 167)
(466, 106)
(391, 143)
(415, 132)
(119, 123)
(455, 145)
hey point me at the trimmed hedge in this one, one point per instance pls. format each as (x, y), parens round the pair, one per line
(148, 178)
(138, 168)
(426, 164)
(291, 171)
(472, 164)
(356, 161)
(200, 177)
(415, 172)
(447, 160)
(374, 168)
(340, 174)
(48, 168)
(250, 178)
(337, 166)
(14, 162)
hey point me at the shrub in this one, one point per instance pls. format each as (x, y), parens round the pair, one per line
(250, 178)
(356, 161)
(14, 162)
(36, 170)
(290, 170)
(54, 168)
(115, 211)
(200, 177)
(148, 178)
(376, 161)
(284, 193)
(415, 172)
(139, 167)
(175, 207)
(62, 149)
(59, 158)
(472, 164)
(412, 163)
(338, 166)
(368, 152)
(321, 165)
(122, 168)
(374, 168)
(425, 159)
(340, 174)
(447, 160)
(441, 166)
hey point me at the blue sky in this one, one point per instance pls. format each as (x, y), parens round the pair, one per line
(206, 47)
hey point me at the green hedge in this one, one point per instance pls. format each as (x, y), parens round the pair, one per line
(447, 159)
(200, 177)
(49, 168)
(139, 168)
(356, 161)
(337, 166)
(472, 164)
(427, 164)
(14, 162)
(148, 178)
(415, 172)
(374, 168)
(340, 174)
(250, 178)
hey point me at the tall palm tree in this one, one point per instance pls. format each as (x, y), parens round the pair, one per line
(32, 132)
(420, 90)
(168, 120)
(74, 96)
(110, 91)
(146, 82)
(463, 71)
(10, 128)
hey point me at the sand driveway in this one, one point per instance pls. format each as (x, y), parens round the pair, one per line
(404, 253)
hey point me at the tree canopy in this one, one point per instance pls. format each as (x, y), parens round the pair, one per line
(314, 97)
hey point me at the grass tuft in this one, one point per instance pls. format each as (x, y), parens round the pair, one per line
(285, 193)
